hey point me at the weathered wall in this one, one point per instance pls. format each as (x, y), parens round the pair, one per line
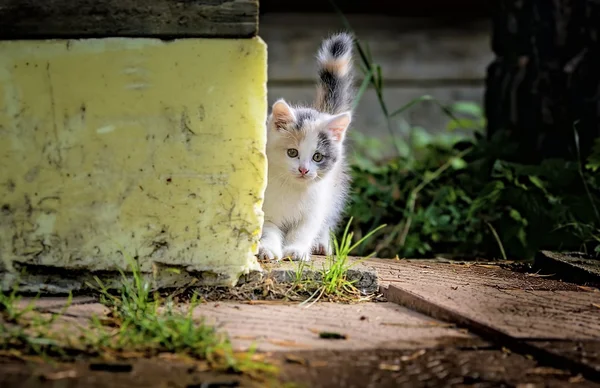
(418, 56)
(140, 147)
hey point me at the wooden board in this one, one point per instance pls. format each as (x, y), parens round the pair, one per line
(516, 304)
(277, 326)
(456, 11)
(511, 309)
(573, 267)
(584, 352)
(426, 368)
(35, 19)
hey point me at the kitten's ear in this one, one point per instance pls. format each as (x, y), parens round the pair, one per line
(338, 125)
(282, 114)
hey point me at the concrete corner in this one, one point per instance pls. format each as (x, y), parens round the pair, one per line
(131, 148)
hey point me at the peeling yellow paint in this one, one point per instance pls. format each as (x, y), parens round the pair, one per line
(137, 145)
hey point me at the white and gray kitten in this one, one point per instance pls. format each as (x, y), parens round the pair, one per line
(308, 180)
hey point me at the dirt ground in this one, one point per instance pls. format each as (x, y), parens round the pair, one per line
(385, 344)
(466, 366)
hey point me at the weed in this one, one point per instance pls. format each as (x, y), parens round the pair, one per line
(9, 305)
(139, 323)
(332, 280)
(334, 277)
(21, 327)
(144, 322)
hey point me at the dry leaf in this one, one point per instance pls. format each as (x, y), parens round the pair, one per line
(537, 275)
(590, 289)
(542, 370)
(292, 359)
(246, 337)
(390, 367)
(576, 379)
(174, 357)
(287, 343)
(202, 366)
(596, 305)
(492, 266)
(418, 325)
(413, 356)
(253, 302)
(131, 354)
(65, 374)
(318, 364)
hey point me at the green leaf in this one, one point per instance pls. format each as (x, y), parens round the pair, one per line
(467, 107)
(420, 137)
(363, 88)
(593, 161)
(410, 104)
(458, 163)
(537, 182)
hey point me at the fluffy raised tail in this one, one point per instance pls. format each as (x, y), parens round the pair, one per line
(335, 84)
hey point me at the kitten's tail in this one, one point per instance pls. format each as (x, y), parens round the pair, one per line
(335, 82)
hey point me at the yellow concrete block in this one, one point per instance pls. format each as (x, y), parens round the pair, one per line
(141, 147)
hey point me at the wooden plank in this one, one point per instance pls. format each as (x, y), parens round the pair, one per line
(34, 19)
(280, 325)
(515, 310)
(547, 355)
(441, 367)
(519, 305)
(456, 11)
(584, 352)
(411, 50)
(366, 325)
(573, 267)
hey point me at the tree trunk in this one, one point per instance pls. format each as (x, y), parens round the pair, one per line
(545, 81)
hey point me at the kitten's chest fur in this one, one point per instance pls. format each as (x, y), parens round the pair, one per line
(287, 204)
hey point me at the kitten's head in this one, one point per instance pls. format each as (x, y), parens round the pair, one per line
(304, 144)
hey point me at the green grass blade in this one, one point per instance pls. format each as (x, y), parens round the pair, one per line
(363, 88)
(410, 104)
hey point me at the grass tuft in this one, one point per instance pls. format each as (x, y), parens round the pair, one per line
(332, 280)
(139, 324)
(145, 322)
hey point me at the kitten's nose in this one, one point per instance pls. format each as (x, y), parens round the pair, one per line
(303, 170)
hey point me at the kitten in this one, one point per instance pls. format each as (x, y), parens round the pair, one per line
(308, 180)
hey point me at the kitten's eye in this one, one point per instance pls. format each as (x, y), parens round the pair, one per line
(317, 157)
(292, 152)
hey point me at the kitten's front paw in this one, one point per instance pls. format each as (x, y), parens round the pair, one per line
(266, 252)
(323, 245)
(296, 253)
(322, 249)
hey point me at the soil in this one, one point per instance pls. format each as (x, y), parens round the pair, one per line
(461, 366)
(442, 367)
